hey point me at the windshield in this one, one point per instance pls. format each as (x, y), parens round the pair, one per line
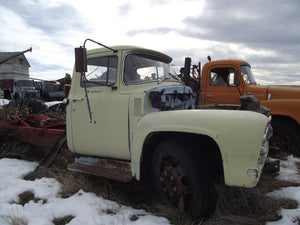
(247, 75)
(141, 68)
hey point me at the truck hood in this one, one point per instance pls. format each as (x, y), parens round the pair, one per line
(284, 92)
(274, 91)
(259, 91)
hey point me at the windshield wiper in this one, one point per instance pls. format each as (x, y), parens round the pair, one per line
(166, 78)
(175, 77)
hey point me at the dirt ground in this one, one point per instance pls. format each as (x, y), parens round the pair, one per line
(235, 205)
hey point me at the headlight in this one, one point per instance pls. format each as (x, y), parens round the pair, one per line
(264, 146)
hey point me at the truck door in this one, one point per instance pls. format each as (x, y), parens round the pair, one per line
(106, 135)
(222, 86)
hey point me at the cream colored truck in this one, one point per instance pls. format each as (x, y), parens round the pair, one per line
(128, 113)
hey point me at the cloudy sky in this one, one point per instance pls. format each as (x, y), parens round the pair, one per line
(266, 33)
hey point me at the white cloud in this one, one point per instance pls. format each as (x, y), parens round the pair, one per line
(52, 55)
(178, 27)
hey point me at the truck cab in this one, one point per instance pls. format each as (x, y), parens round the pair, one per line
(221, 82)
(129, 113)
(116, 96)
(225, 81)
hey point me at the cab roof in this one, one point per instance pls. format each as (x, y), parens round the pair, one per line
(130, 48)
(228, 61)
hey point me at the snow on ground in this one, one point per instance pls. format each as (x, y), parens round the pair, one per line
(86, 208)
(52, 103)
(289, 171)
(3, 102)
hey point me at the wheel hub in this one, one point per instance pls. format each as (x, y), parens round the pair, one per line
(280, 143)
(174, 183)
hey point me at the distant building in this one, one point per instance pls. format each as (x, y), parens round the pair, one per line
(14, 65)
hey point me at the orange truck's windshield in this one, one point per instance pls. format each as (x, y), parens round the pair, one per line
(247, 75)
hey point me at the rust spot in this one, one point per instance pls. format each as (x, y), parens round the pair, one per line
(108, 168)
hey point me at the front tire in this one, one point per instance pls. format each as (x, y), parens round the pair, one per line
(286, 138)
(183, 181)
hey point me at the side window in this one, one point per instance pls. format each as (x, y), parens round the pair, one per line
(102, 71)
(222, 77)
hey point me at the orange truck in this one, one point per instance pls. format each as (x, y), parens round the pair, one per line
(225, 81)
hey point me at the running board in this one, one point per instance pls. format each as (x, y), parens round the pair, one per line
(108, 168)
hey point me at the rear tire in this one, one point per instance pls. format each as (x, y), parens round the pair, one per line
(182, 181)
(286, 138)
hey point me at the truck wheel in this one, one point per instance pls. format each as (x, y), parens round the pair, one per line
(181, 181)
(285, 139)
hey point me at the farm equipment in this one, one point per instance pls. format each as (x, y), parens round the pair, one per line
(19, 89)
(55, 90)
(40, 130)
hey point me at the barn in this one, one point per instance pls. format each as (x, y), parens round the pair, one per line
(14, 65)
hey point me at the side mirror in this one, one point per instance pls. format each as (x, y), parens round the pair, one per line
(80, 59)
(237, 78)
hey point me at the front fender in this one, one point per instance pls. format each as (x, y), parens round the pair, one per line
(238, 134)
(284, 107)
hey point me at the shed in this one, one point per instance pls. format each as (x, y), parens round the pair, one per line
(14, 65)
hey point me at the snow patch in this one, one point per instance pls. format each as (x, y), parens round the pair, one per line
(3, 102)
(49, 104)
(86, 208)
(289, 171)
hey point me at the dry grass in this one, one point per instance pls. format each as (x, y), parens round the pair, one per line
(28, 196)
(13, 148)
(12, 220)
(63, 220)
(16, 220)
(251, 206)
(235, 205)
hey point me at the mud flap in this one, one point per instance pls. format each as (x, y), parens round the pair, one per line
(49, 159)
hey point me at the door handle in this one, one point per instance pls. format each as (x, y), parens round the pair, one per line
(209, 96)
(77, 99)
(95, 90)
